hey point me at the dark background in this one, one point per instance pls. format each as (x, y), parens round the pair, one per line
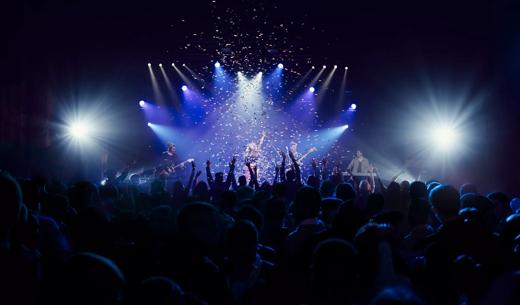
(398, 52)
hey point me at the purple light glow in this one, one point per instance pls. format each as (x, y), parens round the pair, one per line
(142, 103)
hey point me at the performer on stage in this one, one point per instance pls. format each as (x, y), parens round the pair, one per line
(294, 149)
(170, 155)
(167, 161)
(253, 153)
(359, 165)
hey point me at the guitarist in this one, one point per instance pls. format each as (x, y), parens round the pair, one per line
(293, 148)
(168, 160)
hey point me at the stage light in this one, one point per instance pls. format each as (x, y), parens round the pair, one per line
(160, 65)
(324, 66)
(184, 88)
(173, 65)
(184, 65)
(353, 106)
(280, 66)
(444, 137)
(335, 66)
(141, 103)
(79, 130)
(149, 124)
(312, 89)
(346, 68)
(217, 65)
(239, 73)
(313, 67)
(149, 64)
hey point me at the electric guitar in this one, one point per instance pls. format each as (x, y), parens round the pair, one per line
(300, 159)
(170, 169)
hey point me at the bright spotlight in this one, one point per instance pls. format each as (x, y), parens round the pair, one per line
(149, 124)
(184, 88)
(141, 103)
(217, 65)
(173, 65)
(324, 66)
(353, 106)
(313, 67)
(335, 66)
(149, 64)
(444, 137)
(312, 89)
(184, 65)
(239, 73)
(346, 68)
(160, 65)
(280, 66)
(79, 130)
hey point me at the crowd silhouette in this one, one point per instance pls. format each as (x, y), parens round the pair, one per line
(231, 240)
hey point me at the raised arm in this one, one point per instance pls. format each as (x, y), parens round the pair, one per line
(208, 173)
(231, 174)
(276, 172)
(190, 180)
(196, 179)
(261, 140)
(297, 170)
(282, 167)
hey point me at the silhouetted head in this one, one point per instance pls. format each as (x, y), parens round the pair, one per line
(228, 200)
(243, 242)
(219, 177)
(201, 191)
(333, 272)
(306, 204)
(345, 192)
(418, 190)
(468, 188)
(375, 203)
(90, 279)
(242, 180)
(418, 212)
(329, 209)
(405, 186)
(134, 179)
(252, 214)
(198, 223)
(445, 202)
(312, 181)
(290, 175)
(327, 188)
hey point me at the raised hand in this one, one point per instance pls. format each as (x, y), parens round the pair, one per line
(282, 153)
(192, 165)
(198, 174)
(208, 163)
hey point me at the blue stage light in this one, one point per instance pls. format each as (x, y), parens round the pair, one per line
(353, 106)
(184, 88)
(280, 66)
(312, 89)
(149, 124)
(141, 103)
(217, 65)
